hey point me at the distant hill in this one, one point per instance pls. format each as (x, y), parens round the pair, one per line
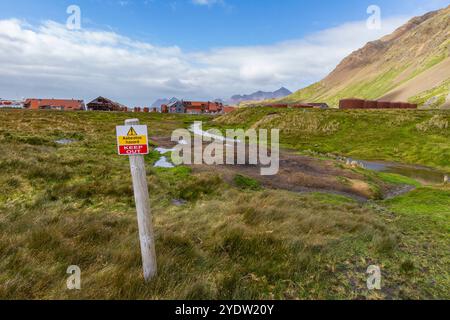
(259, 96)
(158, 103)
(410, 64)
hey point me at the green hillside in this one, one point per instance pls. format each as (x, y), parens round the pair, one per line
(409, 64)
(414, 136)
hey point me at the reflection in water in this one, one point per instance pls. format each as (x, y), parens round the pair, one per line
(196, 129)
(163, 163)
(422, 174)
(164, 150)
(65, 141)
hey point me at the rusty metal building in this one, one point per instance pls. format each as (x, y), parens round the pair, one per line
(104, 104)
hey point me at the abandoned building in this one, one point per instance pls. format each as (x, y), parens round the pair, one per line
(54, 104)
(164, 108)
(104, 104)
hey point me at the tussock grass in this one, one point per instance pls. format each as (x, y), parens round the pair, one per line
(436, 123)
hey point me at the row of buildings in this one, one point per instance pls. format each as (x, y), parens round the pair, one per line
(44, 104)
(12, 104)
(187, 107)
(104, 104)
(196, 107)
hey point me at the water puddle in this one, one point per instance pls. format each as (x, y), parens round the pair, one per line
(65, 141)
(163, 163)
(164, 150)
(422, 174)
(195, 128)
(179, 202)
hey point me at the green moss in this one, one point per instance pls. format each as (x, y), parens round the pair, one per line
(244, 182)
(397, 179)
(424, 201)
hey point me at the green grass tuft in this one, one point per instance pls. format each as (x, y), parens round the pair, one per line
(248, 183)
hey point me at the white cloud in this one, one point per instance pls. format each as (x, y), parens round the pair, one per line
(50, 61)
(207, 2)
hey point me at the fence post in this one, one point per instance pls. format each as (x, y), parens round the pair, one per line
(144, 216)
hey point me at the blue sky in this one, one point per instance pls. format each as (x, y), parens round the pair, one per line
(221, 23)
(201, 49)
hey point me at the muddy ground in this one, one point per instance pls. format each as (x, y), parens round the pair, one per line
(299, 173)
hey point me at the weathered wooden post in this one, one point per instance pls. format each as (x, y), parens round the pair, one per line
(133, 141)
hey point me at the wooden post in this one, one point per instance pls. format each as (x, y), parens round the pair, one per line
(146, 234)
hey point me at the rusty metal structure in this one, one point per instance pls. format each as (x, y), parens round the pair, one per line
(374, 104)
(104, 104)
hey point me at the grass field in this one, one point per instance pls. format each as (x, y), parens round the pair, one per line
(63, 205)
(414, 137)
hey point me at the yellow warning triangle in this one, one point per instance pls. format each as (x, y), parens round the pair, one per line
(132, 132)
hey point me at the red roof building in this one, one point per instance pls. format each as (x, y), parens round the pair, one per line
(54, 104)
(215, 107)
(195, 107)
(202, 107)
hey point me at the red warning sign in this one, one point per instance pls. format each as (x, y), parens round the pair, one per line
(130, 150)
(132, 140)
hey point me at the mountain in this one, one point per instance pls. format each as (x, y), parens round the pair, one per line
(411, 64)
(281, 93)
(158, 103)
(260, 95)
